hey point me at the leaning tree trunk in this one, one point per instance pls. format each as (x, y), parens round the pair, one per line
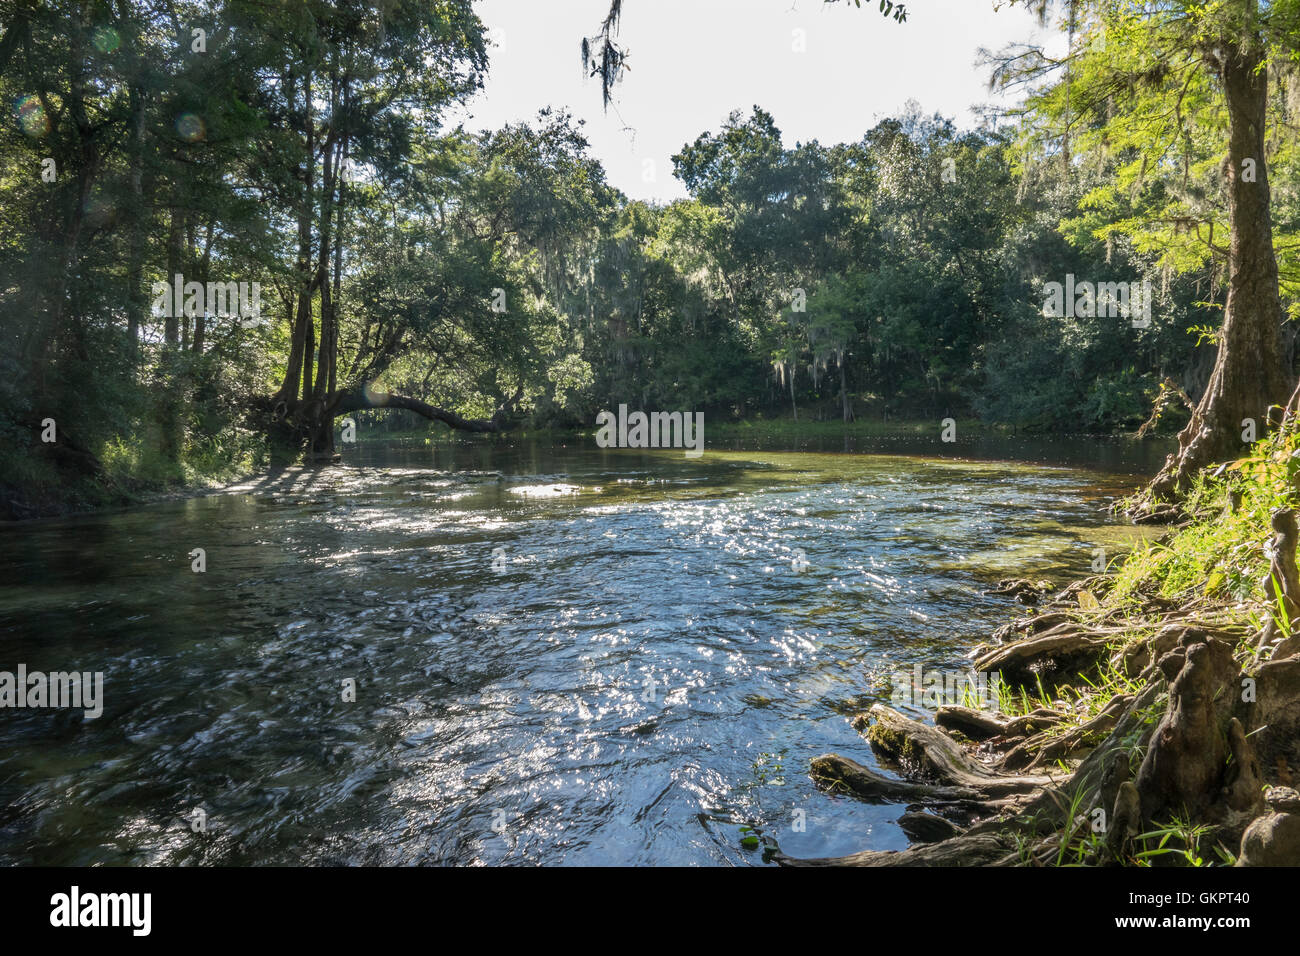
(1248, 376)
(364, 397)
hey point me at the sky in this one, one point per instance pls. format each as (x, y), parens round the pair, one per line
(694, 61)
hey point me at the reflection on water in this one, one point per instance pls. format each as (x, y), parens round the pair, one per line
(561, 655)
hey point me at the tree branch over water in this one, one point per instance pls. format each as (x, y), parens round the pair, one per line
(361, 398)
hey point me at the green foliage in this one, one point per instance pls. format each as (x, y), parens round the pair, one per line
(1178, 839)
(1220, 554)
(898, 276)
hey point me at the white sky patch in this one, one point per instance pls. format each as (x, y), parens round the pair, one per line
(694, 61)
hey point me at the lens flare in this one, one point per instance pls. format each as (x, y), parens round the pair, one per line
(31, 116)
(189, 127)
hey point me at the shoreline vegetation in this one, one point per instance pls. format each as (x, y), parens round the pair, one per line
(129, 477)
(1148, 716)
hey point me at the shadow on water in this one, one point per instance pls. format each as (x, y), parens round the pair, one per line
(561, 654)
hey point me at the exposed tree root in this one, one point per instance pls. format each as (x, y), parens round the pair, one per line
(970, 723)
(1063, 651)
(1283, 581)
(834, 770)
(923, 827)
(929, 752)
(1197, 742)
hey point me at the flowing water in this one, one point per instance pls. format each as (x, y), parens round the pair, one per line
(561, 655)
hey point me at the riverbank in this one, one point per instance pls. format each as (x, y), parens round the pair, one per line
(767, 430)
(52, 483)
(755, 429)
(62, 479)
(35, 492)
(1149, 715)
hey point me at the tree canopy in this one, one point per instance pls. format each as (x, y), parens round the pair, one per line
(489, 279)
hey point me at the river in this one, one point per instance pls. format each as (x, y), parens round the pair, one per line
(561, 655)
